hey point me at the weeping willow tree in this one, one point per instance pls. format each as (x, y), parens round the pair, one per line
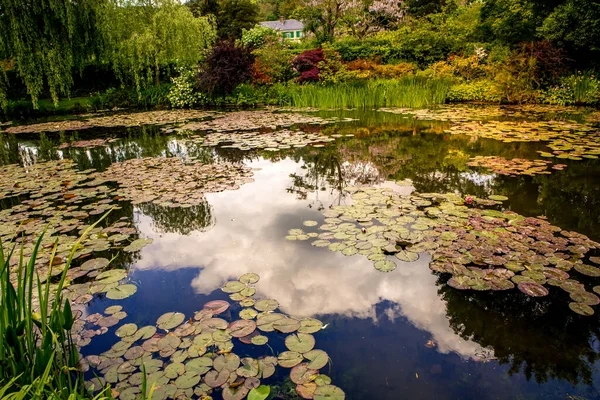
(44, 41)
(141, 36)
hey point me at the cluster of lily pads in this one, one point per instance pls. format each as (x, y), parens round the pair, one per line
(87, 143)
(460, 113)
(481, 247)
(515, 166)
(185, 356)
(160, 117)
(171, 182)
(53, 197)
(567, 140)
(270, 141)
(253, 120)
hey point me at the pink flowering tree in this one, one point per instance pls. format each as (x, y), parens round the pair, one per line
(361, 17)
(364, 17)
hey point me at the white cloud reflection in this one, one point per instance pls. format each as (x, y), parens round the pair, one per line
(249, 237)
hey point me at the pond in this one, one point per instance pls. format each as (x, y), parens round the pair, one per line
(311, 203)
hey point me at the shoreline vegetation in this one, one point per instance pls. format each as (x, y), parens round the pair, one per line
(360, 54)
(407, 92)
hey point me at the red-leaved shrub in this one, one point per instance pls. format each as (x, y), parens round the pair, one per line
(307, 65)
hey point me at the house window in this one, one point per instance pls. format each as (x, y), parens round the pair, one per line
(298, 33)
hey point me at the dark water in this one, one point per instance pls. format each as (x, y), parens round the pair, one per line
(487, 345)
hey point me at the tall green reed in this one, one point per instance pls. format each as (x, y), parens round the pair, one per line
(38, 358)
(410, 92)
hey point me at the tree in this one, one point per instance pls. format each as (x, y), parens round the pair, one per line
(420, 8)
(575, 25)
(144, 35)
(364, 17)
(44, 41)
(508, 21)
(234, 16)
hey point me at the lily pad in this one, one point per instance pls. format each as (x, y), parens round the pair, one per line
(301, 374)
(121, 292)
(233, 287)
(170, 320)
(582, 309)
(318, 359)
(249, 278)
(241, 328)
(533, 289)
(289, 359)
(329, 392)
(300, 342)
(216, 306)
(137, 245)
(266, 305)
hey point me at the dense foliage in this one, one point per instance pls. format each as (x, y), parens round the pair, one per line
(497, 50)
(225, 67)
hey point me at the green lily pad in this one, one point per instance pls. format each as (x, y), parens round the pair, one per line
(121, 292)
(170, 320)
(249, 367)
(407, 256)
(318, 359)
(137, 245)
(289, 359)
(94, 264)
(126, 330)
(230, 362)
(249, 278)
(248, 313)
(187, 380)
(310, 325)
(266, 305)
(329, 392)
(286, 325)
(385, 266)
(199, 366)
(300, 342)
(259, 340)
(233, 287)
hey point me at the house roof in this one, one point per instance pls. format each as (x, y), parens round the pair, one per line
(288, 25)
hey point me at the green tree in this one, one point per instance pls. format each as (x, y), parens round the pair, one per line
(143, 36)
(234, 16)
(575, 24)
(45, 40)
(509, 21)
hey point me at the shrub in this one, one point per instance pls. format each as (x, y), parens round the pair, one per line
(468, 68)
(226, 66)
(394, 70)
(259, 36)
(307, 65)
(481, 90)
(273, 64)
(182, 94)
(331, 69)
(580, 89)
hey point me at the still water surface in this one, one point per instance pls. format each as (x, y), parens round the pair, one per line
(487, 345)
